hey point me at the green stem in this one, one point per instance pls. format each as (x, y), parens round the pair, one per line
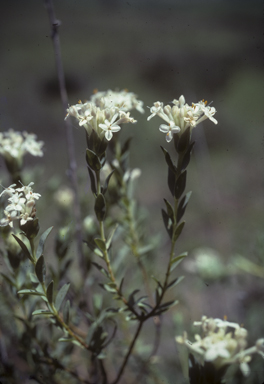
(128, 353)
(106, 255)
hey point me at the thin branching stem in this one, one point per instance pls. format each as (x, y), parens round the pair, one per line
(54, 23)
(123, 366)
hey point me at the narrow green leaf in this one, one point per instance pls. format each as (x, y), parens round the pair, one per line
(164, 307)
(93, 160)
(100, 207)
(184, 140)
(101, 269)
(107, 288)
(171, 180)
(30, 292)
(61, 295)
(40, 269)
(170, 210)
(92, 179)
(167, 222)
(182, 206)
(42, 240)
(107, 182)
(66, 312)
(168, 159)
(131, 299)
(24, 248)
(66, 339)
(100, 244)
(126, 145)
(50, 292)
(178, 231)
(109, 240)
(34, 278)
(42, 312)
(176, 261)
(175, 282)
(180, 185)
(187, 157)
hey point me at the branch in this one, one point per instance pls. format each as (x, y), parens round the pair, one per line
(128, 353)
(54, 24)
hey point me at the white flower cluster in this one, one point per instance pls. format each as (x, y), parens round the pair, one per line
(105, 112)
(181, 116)
(21, 205)
(124, 100)
(220, 345)
(16, 144)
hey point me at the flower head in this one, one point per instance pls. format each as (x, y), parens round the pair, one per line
(181, 115)
(105, 111)
(14, 145)
(21, 205)
(221, 343)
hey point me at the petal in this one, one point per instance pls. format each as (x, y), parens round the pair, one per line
(103, 126)
(108, 135)
(164, 128)
(115, 128)
(168, 137)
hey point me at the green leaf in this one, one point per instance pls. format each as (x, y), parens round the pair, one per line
(187, 157)
(61, 295)
(170, 211)
(34, 278)
(168, 159)
(40, 269)
(178, 231)
(180, 185)
(108, 288)
(24, 248)
(176, 261)
(50, 292)
(182, 206)
(175, 282)
(167, 222)
(42, 312)
(66, 312)
(93, 160)
(100, 244)
(107, 182)
(42, 240)
(100, 207)
(171, 180)
(109, 240)
(131, 299)
(101, 269)
(92, 179)
(184, 140)
(30, 292)
(164, 307)
(66, 339)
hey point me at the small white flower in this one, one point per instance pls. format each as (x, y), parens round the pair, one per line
(169, 130)
(110, 127)
(10, 190)
(157, 108)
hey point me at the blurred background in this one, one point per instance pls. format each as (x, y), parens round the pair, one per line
(210, 50)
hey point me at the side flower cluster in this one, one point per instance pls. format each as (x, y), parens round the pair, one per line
(222, 343)
(181, 116)
(105, 112)
(21, 204)
(15, 144)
